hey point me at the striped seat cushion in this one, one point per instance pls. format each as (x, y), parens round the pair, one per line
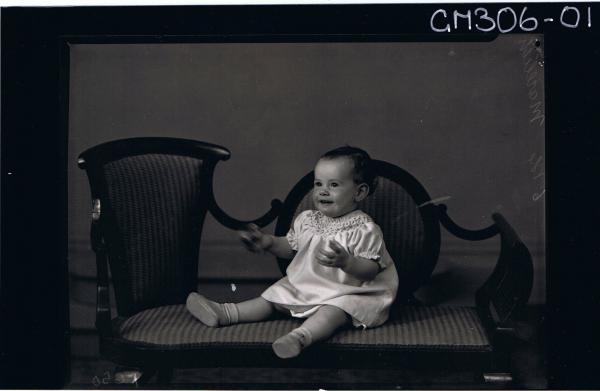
(437, 328)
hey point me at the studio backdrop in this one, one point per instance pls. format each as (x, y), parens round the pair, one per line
(465, 118)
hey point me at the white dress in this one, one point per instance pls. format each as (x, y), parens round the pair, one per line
(309, 285)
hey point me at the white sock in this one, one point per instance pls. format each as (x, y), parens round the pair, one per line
(211, 313)
(231, 312)
(292, 344)
(304, 336)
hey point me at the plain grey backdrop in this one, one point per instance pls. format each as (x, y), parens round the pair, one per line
(466, 119)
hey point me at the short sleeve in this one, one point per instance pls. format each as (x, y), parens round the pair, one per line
(295, 229)
(367, 242)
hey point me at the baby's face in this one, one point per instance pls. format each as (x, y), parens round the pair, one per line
(334, 189)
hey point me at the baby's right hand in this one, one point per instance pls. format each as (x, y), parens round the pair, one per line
(255, 240)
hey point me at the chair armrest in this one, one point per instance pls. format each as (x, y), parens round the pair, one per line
(464, 233)
(509, 286)
(102, 290)
(232, 223)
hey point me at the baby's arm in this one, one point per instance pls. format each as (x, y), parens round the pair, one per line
(280, 247)
(255, 240)
(362, 268)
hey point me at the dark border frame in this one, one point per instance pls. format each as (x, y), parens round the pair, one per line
(35, 338)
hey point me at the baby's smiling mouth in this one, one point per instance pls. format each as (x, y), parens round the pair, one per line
(325, 202)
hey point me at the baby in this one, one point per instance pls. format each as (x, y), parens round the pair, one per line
(340, 272)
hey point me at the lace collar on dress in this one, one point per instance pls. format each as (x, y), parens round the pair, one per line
(325, 225)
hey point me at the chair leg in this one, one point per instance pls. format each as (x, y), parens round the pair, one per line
(132, 376)
(500, 373)
(165, 375)
(498, 379)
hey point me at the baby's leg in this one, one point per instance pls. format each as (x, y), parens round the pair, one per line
(321, 325)
(215, 314)
(254, 310)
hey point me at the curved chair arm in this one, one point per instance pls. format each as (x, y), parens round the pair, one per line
(464, 233)
(102, 289)
(509, 286)
(232, 223)
(506, 231)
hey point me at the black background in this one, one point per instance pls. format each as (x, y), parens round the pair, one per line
(34, 288)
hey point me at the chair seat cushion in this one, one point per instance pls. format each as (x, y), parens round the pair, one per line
(416, 327)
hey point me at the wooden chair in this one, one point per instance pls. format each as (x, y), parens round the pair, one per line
(150, 197)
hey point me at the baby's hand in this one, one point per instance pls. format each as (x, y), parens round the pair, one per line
(334, 256)
(254, 239)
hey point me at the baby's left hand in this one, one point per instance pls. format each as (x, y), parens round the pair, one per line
(334, 256)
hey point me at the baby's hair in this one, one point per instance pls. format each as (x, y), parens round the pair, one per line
(363, 165)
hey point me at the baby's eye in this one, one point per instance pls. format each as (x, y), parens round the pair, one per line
(334, 184)
(317, 184)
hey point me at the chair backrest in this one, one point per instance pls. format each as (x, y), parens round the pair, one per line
(400, 206)
(153, 195)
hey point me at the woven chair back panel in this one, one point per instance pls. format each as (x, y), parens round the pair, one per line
(158, 211)
(398, 216)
